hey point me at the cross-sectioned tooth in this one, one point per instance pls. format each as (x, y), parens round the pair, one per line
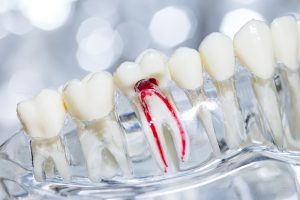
(219, 60)
(90, 102)
(253, 46)
(157, 112)
(285, 41)
(186, 70)
(43, 118)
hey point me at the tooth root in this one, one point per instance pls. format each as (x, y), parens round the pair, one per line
(91, 100)
(43, 118)
(218, 56)
(158, 111)
(264, 90)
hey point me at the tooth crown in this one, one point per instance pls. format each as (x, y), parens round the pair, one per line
(44, 115)
(186, 69)
(127, 75)
(217, 54)
(91, 98)
(150, 64)
(253, 47)
(285, 40)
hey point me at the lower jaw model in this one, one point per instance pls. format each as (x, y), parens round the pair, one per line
(166, 128)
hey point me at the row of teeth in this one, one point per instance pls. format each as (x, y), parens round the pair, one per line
(145, 82)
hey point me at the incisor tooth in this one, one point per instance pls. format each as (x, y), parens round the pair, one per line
(186, 70)
(218, 55)
(253, 46)
(285, 41)
(92, 100)
(43, 118)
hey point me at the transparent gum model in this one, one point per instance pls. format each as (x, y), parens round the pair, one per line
(230, 135)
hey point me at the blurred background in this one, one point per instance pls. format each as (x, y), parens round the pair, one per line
(44, 43)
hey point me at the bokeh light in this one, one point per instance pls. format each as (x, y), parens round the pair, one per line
(235, 19)
(170, 26)
(98, 45)
(46, 14)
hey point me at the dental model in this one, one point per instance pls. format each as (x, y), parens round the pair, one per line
(285, 41)
(43, 118)
(144, 82)
(217, 54)
(186, 70)
(253, 47)
(91, 103)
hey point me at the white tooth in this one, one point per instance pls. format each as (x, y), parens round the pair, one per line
(253, 46)
(285, 41)
(186, 69)
(218, 56)
(101, 140)
(43, 118)
(82, 100)
(219, 60)
(127, 75)
(154, 65)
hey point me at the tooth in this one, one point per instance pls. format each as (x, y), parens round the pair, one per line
(285, 41)
(186, 70)
(90, 102)
(43, 118)
(217, 53)
(154, 65)
(253, 46)
(154, 107)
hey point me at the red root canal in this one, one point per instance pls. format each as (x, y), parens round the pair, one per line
(149, 87)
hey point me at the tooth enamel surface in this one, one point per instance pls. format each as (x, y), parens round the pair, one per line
(253, 47)
(91, 98)
(218, 56)
(285, 41)
(44, 115)
(127, 75)
(154, 65)
(43, 118)
(186, 69)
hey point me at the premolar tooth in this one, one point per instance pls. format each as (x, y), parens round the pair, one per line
(253, 46)
(285, 41)
(151, 101)
(186, 70)
(101, 139)
(43, 118)
(219, 60)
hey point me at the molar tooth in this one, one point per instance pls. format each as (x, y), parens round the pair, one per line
(253, 46)
(285, 41)
(91, 101)
(219, 60)
(43, 118)
(186, 70)
(154, 107)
